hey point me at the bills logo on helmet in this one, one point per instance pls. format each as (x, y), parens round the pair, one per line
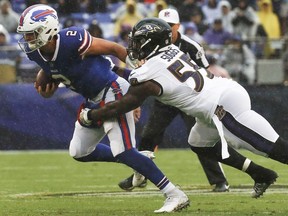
(41, 15)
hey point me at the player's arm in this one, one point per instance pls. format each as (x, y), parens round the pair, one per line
(104, 47)
(131, 100)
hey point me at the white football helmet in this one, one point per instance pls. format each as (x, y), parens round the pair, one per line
(40, 20)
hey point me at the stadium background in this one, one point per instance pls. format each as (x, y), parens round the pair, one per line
(30, 122)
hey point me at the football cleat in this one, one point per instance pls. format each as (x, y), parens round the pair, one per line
(221, 187)
(136, 179)
(127, 184)
(260, 187)
(174, 203)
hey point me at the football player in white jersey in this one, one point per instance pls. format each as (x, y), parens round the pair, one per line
(162, 115)
(221, 106)
(73, 57)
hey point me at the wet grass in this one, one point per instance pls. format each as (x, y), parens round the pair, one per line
(51, 183)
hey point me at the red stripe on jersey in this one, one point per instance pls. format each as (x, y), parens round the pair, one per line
(87, 40)
(124, 127)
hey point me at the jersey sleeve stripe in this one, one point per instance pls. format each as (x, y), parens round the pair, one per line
(87, 40)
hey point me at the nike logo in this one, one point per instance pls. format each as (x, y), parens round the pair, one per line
(80, 37)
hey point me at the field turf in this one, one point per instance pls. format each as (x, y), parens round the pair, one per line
(51, 183)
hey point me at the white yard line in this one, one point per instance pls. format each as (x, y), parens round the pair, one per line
(242, 191)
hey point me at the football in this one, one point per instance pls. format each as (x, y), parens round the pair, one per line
(42, 80)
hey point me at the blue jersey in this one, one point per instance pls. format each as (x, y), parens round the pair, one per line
(85, 75)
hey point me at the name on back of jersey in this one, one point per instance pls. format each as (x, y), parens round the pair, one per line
(169, 54)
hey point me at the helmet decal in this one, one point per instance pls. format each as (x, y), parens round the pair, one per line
(148, 36)
(24, 14)
(41, 15)
(42, 21)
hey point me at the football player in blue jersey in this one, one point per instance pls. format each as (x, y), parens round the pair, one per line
(73, 57)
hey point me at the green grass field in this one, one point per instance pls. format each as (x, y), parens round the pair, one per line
(51, 183)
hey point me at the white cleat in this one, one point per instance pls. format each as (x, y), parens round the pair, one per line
(138, 179)
(148, 154)
(174, 203)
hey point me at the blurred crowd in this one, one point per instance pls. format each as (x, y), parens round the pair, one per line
(234, 33)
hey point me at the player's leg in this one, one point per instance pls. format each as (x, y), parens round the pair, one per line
(262, 177)
(85, 146)
(202, 139)
(211, 167)
(121, 134)
(244, 128)
(214, 173)
(161, 116)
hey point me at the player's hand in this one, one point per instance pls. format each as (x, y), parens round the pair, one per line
(48, 91)
(137, 114)
(83, 118)
(132, 63)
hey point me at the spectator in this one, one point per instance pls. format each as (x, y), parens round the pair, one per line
(123, 40)
(140, 8)
(159, 5)
(187, 8)
(68, 22)
(270, 22)
(99, 6)
(211, 11)
(28, 3)
(4, 36)
(239, 60)
(215, 68)
(245, 22)
(234, 3)
(285, 64)
(8, 18)
(216, 35)
(227, 15)
(191, 31)
(197, 19)
(269, 19)
(95, 29)
(284, 16)
(9, 57)
(67, 7)
(129, 18)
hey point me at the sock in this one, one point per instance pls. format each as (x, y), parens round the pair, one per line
(144, 166)
(101, 153)
(235, 160)
(279, 151)
(168, 189)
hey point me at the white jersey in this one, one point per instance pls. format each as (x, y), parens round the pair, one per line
(197, 93)
(191, 89)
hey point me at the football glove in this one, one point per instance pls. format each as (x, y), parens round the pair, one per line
(83, 118)
(131, 63)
